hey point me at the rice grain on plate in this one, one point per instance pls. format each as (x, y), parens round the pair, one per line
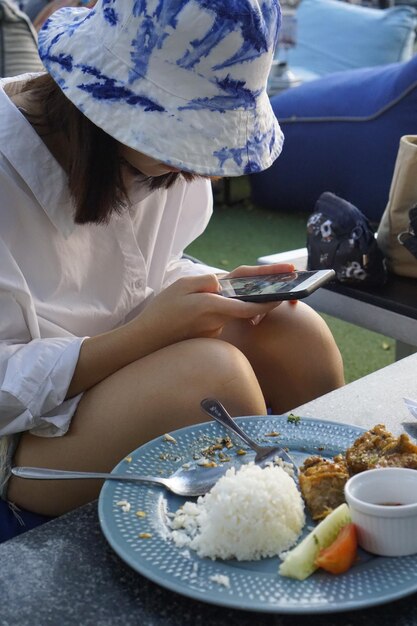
(249, 514)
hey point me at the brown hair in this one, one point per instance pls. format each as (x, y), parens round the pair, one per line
(94, 166)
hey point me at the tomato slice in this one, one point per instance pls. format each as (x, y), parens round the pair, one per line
(341, 554)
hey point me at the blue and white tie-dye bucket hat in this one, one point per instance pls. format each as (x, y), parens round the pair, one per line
(183, 81)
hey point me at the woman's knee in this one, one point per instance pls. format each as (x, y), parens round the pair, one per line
(293, 345)
(306, 343)
(219, 358)
(221, 369)
(314, 332)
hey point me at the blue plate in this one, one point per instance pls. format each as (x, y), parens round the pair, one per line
(254, 585)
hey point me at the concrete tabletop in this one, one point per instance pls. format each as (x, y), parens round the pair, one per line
(65, 573)
(373, 399)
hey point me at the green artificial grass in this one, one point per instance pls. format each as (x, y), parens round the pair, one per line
(239, 233)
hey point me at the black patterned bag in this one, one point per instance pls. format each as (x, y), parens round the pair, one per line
(340, 237)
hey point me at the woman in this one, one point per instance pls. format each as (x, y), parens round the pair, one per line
(109, 337)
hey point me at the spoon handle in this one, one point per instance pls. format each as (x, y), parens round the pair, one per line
(216, 410)
(43, 473)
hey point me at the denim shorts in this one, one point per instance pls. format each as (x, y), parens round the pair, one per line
(8, 446)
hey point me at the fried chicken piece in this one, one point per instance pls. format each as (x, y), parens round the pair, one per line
(322, 481)
(322, 484)
(367, 449)
(403, 454)
(380, 448)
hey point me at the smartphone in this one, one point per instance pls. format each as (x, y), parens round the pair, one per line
(270, 287)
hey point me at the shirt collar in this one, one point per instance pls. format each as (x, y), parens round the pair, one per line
(25, 150)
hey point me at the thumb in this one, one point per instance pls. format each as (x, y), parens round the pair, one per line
(203, 283)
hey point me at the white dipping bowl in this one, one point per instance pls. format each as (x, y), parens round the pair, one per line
(383, 506)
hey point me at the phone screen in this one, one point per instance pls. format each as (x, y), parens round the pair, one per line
(290, 285)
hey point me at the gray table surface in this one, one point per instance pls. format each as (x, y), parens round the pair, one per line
(65, 573)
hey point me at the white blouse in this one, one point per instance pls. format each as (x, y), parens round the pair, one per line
(61, 282)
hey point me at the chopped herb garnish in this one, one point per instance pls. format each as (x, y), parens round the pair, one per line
(293, 419)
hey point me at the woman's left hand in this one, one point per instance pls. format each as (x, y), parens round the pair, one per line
(257, 270)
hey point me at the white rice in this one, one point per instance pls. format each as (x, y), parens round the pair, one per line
(249, 514)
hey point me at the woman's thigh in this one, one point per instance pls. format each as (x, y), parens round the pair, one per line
(148, 398)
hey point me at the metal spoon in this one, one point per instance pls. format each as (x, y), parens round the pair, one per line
(184, 482)
(216, 410)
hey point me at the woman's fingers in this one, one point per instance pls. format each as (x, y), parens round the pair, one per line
(261, 270)
(257, 319)
(244, 310)
(198, 284)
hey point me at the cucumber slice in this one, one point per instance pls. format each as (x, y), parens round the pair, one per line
(299, 562)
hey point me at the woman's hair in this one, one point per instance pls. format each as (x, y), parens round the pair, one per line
(94, 166)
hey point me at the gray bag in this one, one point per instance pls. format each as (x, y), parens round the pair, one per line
(18, 42)
(397, 232)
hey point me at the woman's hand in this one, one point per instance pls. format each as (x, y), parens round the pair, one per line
(192, 307)
(262, 270)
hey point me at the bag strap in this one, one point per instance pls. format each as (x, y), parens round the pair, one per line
(408, 238)
(2, 50)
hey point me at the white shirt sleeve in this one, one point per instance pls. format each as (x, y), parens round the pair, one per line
(185, 267)
(34, 379)
(35, 373)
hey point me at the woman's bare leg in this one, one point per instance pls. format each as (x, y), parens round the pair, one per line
(150, 397)
(293, 354)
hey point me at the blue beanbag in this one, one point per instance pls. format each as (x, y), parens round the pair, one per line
(333, 36)
(15, 522)
(342, 134)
